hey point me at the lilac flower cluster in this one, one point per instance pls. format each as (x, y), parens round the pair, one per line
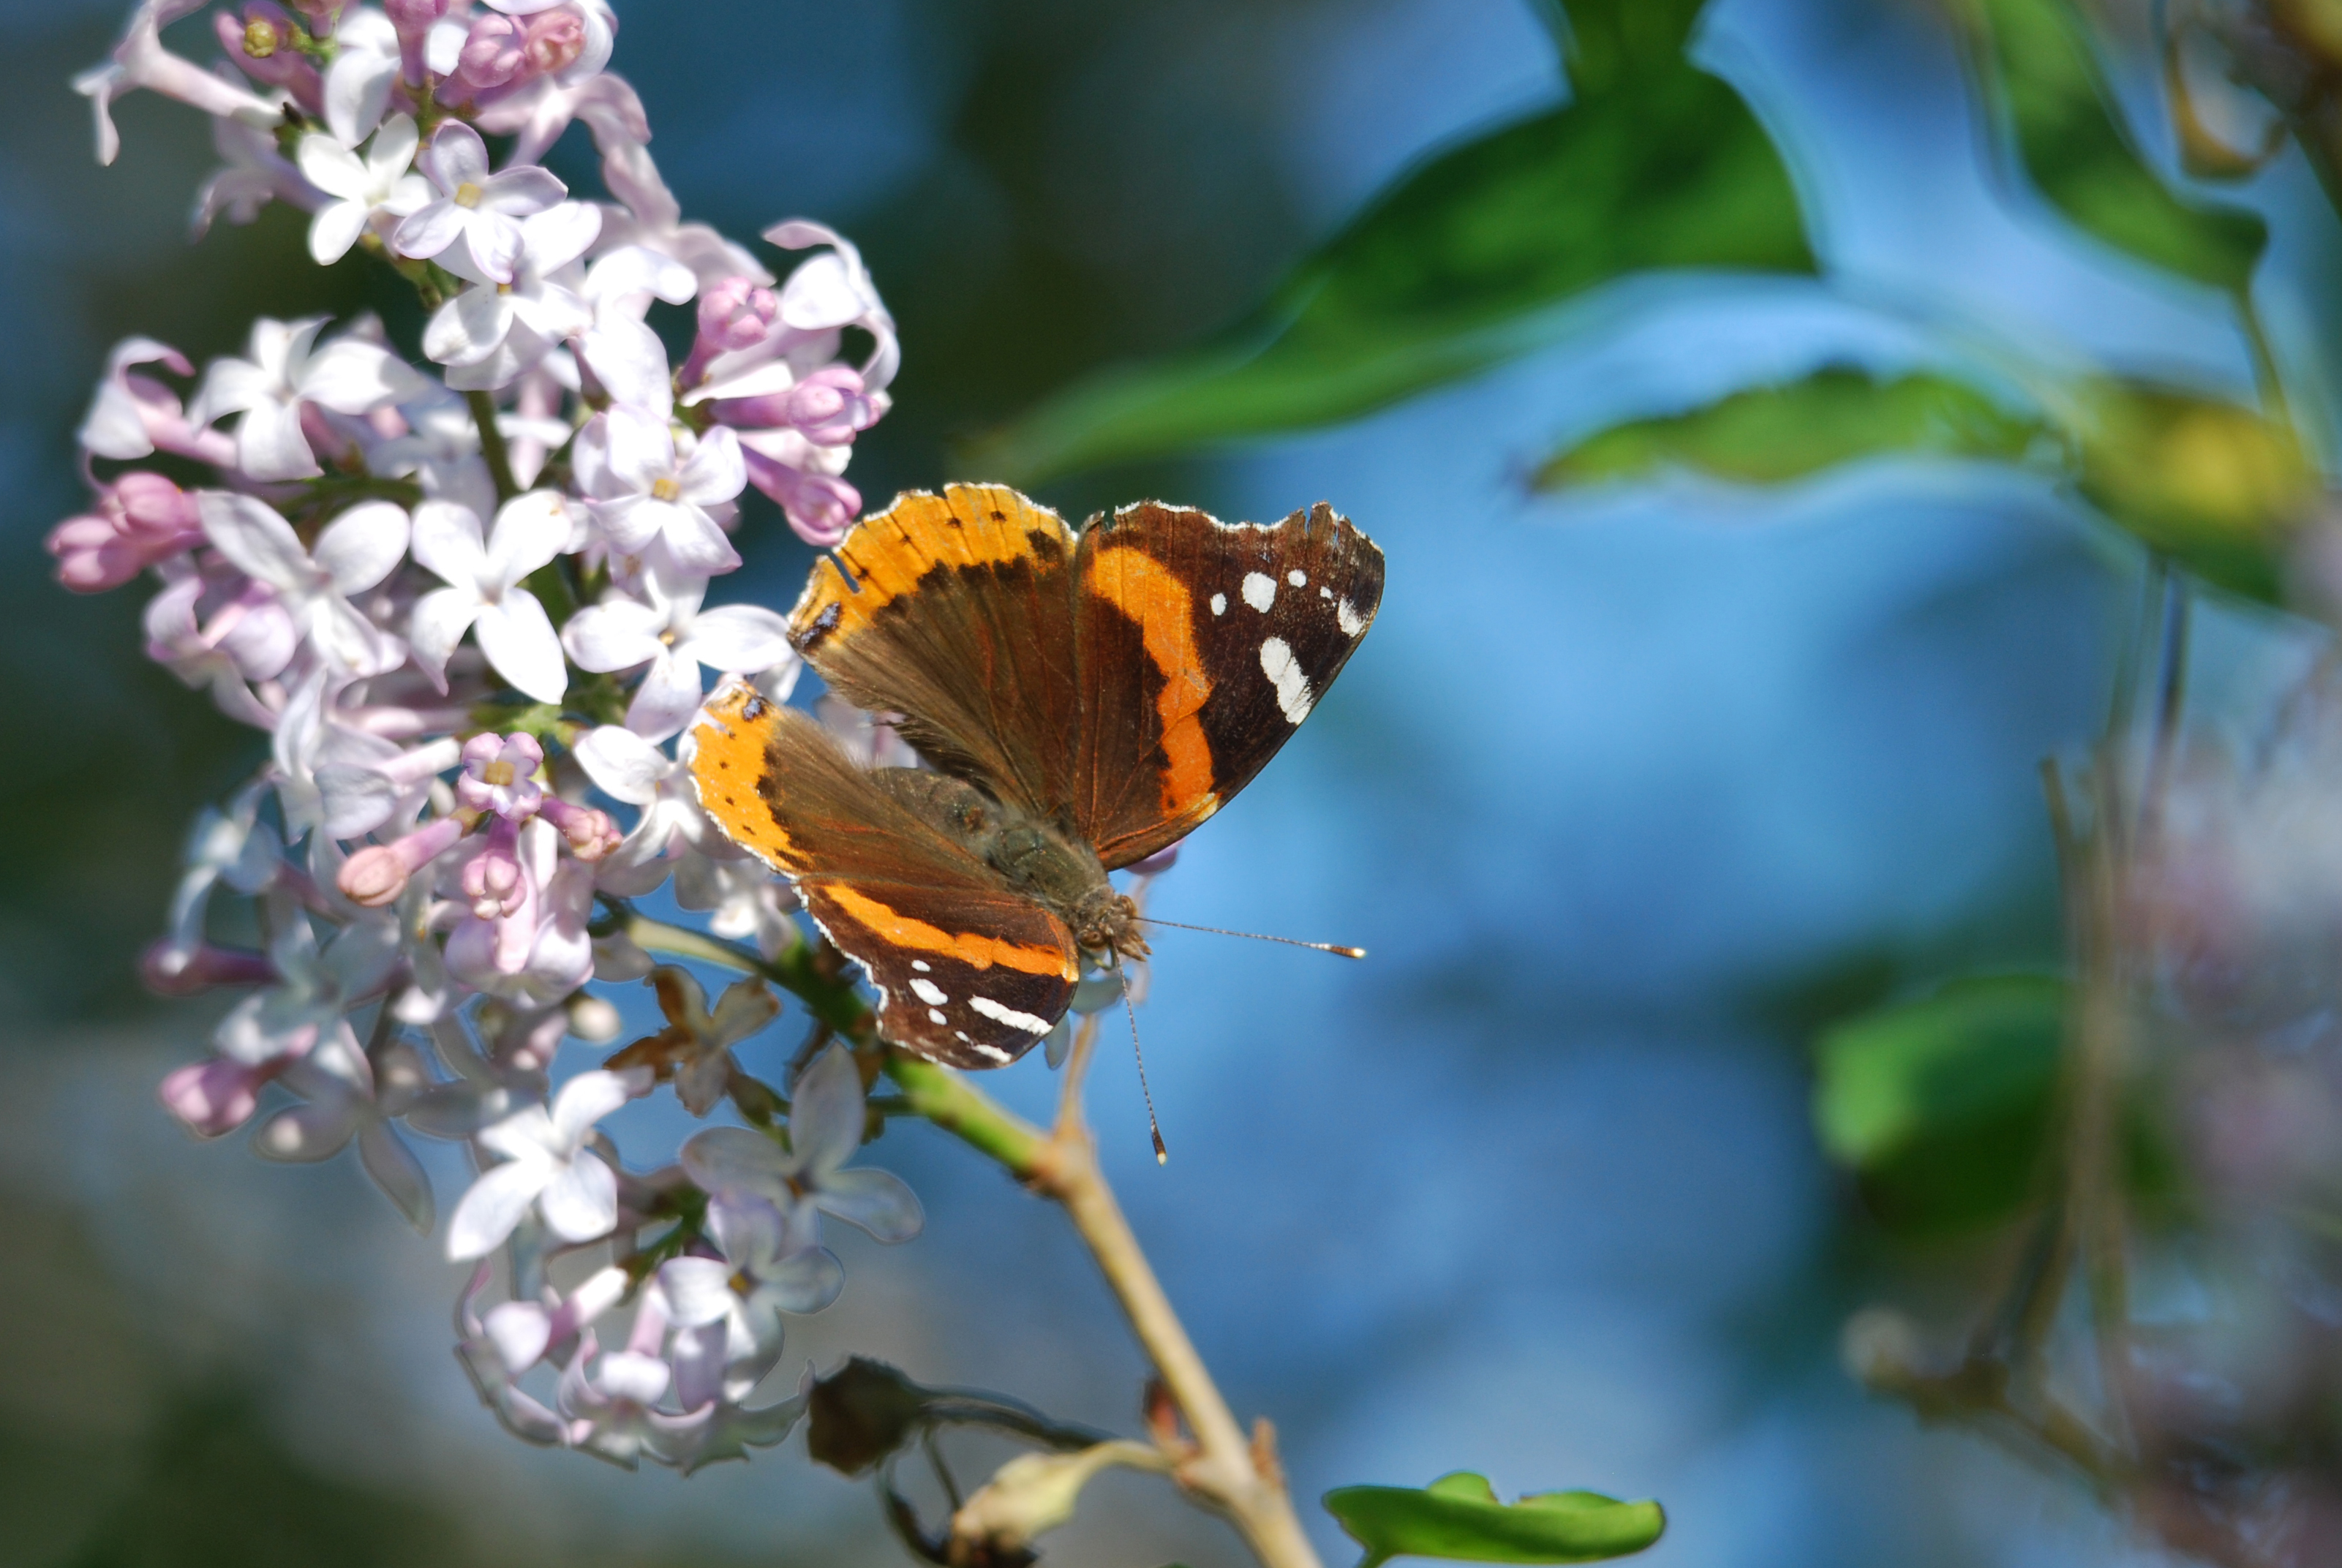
(465, 599)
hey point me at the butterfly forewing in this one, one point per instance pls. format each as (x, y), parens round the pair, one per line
(959, 616)
(968, 972)
(1204, 644)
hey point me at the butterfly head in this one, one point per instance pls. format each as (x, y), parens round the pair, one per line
(1106, 921)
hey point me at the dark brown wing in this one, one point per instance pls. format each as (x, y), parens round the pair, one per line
(968, 972)
(1203, 646)
(959, 616)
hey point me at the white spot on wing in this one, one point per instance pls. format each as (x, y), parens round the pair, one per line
(1293, 693)
(936, 1016)
(928, 992)
(994, 1052)
(1324, 593)
(1008, 1016)
(1297, 577)
(1259, 590)
(961, 1035)
(920, 964)
(1219, 603)
(1345, 616)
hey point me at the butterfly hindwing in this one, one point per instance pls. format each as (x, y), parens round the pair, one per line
(968, 972)
(1204, 644)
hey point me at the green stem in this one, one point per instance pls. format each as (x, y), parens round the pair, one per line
(493, 448)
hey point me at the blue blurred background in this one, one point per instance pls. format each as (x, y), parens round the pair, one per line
(1620, 792)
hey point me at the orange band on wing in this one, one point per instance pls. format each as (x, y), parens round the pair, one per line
(983, 952)
(967, 525)
(727, 766)
(1157, 601)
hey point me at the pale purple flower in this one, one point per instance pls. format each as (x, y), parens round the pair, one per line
(369, 188)
(803, 480)
(670, 637)
(548, 1165)
(355, 551)
(258, 41)
(249, 636)
(826, 292)
(135, 415)
(520, 1333)
(723, 1428)
(610, 1410)
(139, 519)
(648, 212)
(315, 990)
(537, 951)
(281, 371)
(493, 330)
(253, 174)
(480, 209)
(671, 825)
(233, 846)
(569, 40)
(644, 489)
(625, 355)
(477, 1349)
(359, 793)
(728, 1308)
(440, 450)
(826, 1124)
(500, 775)
(139, 60)
(485, 595)
(346, 1096)
(695, 1049)
(741, 896)
(212, 1098)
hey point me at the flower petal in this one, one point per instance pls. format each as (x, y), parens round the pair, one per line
(745, 639)
(825, 1112)
(582, 1201)
(335, 229)
(530, 531)
(614, 634)
(456, 157)
(332, 167)
(350, 375)
(734, 1160)
(362, 546)
(667, 697)
(878, 1201)
(255, 540)
(715, 470)
(447, 540)
(804, 1281)
(622, 764)
(560, 235)
(427, 230)
(519, 641)
(585, 1100)
(269, 443)
(440, 621)
(698, 1291)
(488, 1211)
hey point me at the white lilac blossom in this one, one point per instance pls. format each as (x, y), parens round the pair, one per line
(479, 210)
(668, 637)
(548, 1163)
(826, 1124)
(365, 189)
(464, 598)
(485, 595)
(279, 372)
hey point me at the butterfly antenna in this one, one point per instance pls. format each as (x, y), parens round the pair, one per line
(1162, 1154)
(1334, 947)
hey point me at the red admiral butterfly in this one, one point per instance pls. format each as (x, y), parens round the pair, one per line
(1084, 701)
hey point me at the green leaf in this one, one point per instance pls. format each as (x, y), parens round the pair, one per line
(2034, 58)
(1942, 1104)
(860, 1413)
(1459, 1516)
(1769, 434)
(1462, 263)
(2216, 485)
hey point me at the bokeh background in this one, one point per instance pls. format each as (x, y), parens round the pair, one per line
(1625, 788)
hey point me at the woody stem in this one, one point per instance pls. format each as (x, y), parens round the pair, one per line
(1231, 1473)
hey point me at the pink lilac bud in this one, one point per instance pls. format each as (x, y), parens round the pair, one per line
(141, 519)
(171, 970)
(553, 40)
(494, 53)
(590, 834)
(492, 879)
(828, 408)
(500, 775)
(260, 42)
(377, 875)
(737, 313)
(819, 507)
(211, 1098)
(414, 15)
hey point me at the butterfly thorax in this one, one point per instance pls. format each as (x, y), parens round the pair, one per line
(1037, 859)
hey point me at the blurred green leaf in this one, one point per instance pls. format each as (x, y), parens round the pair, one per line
(2033, 57)
(1769, 434)
(1941, 1105)
(1459, 1516)
(1653, 164)
(860, 1413)
(2216, 485)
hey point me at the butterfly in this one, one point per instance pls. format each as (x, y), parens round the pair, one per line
(1083, 701)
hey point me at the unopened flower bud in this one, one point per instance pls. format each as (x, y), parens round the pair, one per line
(171, 970)
(590, 834)
(553, 40)
(1035, 1493)
(378, 874)
(593, 1020)
(492, 52)
(261, 39)
(737, 313)
(414, 15)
